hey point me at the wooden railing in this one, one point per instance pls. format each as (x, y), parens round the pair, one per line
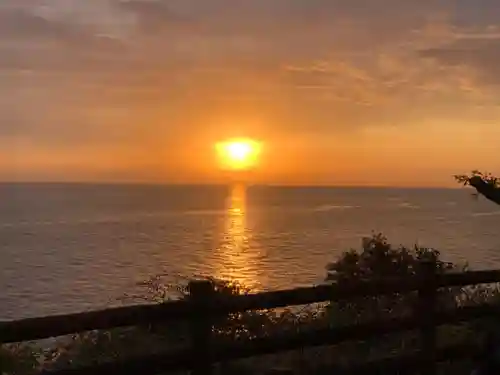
(204, 305)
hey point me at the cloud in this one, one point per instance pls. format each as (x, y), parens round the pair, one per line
(157, 16)
(60, 20)
(472, 41)
(480, 53)
(19, 23)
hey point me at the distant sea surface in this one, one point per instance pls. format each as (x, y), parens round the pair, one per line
(69, 247)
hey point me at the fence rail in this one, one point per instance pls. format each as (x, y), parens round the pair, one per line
(204, 305)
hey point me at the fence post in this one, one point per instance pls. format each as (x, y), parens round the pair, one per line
(201, 296)
(427, 304)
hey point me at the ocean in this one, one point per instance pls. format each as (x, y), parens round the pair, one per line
(76, 247)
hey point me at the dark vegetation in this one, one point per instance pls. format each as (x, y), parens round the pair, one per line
(485, 184)
(376, 260)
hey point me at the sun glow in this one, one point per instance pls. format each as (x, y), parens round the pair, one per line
(238, 154)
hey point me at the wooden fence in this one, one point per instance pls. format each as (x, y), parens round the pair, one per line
(204, 305)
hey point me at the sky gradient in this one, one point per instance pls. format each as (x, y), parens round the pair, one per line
(358, 92)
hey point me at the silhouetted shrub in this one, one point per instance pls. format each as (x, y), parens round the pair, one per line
(379, 260)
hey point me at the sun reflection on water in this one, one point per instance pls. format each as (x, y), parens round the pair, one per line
(239, 259)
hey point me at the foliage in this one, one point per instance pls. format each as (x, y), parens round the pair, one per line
(487, 177)
(377, 261)
(485, 184)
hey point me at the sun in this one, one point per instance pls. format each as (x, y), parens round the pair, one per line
(238, 154)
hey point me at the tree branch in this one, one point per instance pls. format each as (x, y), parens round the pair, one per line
(488, 190)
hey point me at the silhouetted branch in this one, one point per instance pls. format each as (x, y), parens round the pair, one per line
(489, 191)
(485, 184)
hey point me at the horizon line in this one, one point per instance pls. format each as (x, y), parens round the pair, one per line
(228, 183)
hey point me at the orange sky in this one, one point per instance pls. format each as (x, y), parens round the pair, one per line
(340, 93)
